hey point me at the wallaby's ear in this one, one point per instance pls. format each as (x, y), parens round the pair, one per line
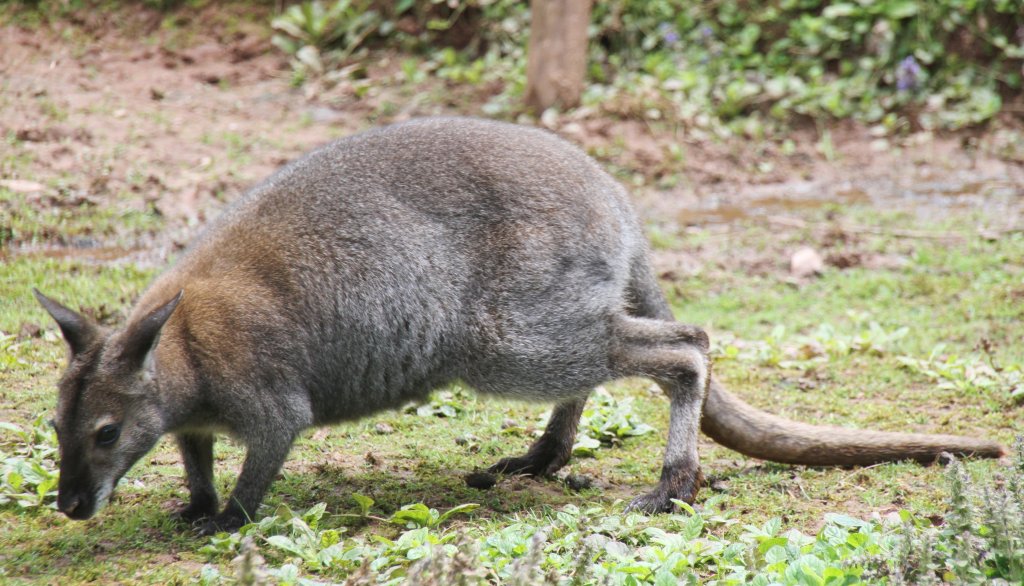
(141, 336)
(79, 331)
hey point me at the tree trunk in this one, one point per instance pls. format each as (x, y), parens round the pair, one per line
(557, 56)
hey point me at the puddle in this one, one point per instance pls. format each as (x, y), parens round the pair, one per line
(761, 201)
(926, 198)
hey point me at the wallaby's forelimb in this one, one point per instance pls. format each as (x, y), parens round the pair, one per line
(738, 426)
(197, 455)
(552, 450)
(263, 458)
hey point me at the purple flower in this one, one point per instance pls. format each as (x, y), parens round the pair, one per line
(706, 32)
(908, 74)
(668, 33)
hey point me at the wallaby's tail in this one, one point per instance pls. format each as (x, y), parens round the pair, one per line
(738, 426)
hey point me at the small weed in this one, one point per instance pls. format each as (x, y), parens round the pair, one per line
(663, 239)
(419, 515)
(969, 375)
(449, 403)
(53, 110)
(9, 358)
(606, 421)
(823, 344)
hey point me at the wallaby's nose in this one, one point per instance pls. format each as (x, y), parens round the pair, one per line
(68, 506)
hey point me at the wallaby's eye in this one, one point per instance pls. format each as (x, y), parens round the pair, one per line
(107, 435)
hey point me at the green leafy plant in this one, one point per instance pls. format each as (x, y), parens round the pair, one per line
(28, 476)
(420, 515)
(321, 37)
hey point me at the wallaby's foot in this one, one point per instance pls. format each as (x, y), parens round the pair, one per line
(552, 450)
(228, 521)
(532, 464)
(196, 510)
(683, 486)
(545, 457)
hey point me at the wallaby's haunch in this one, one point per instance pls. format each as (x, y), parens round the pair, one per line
(382, 266)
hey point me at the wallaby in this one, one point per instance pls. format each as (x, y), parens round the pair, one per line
(382, 266)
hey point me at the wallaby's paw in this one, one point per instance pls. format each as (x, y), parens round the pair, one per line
(481, 480)
(657, 501)
(682, 487)
(529, 465)
(652, 503)
(226, 521)
(537, 463)
(518, 466)
(196, 511)
(543, 459)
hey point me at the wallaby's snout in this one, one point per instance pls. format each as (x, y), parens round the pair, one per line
(82, 503)
(75, 506)
(76, 493)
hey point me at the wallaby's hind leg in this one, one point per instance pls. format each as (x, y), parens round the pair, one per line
(674, 355)
(197, 454)
(552, 450)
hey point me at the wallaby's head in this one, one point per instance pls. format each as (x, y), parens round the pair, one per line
(108, 408)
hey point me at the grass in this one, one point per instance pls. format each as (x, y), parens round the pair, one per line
(954, 295)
